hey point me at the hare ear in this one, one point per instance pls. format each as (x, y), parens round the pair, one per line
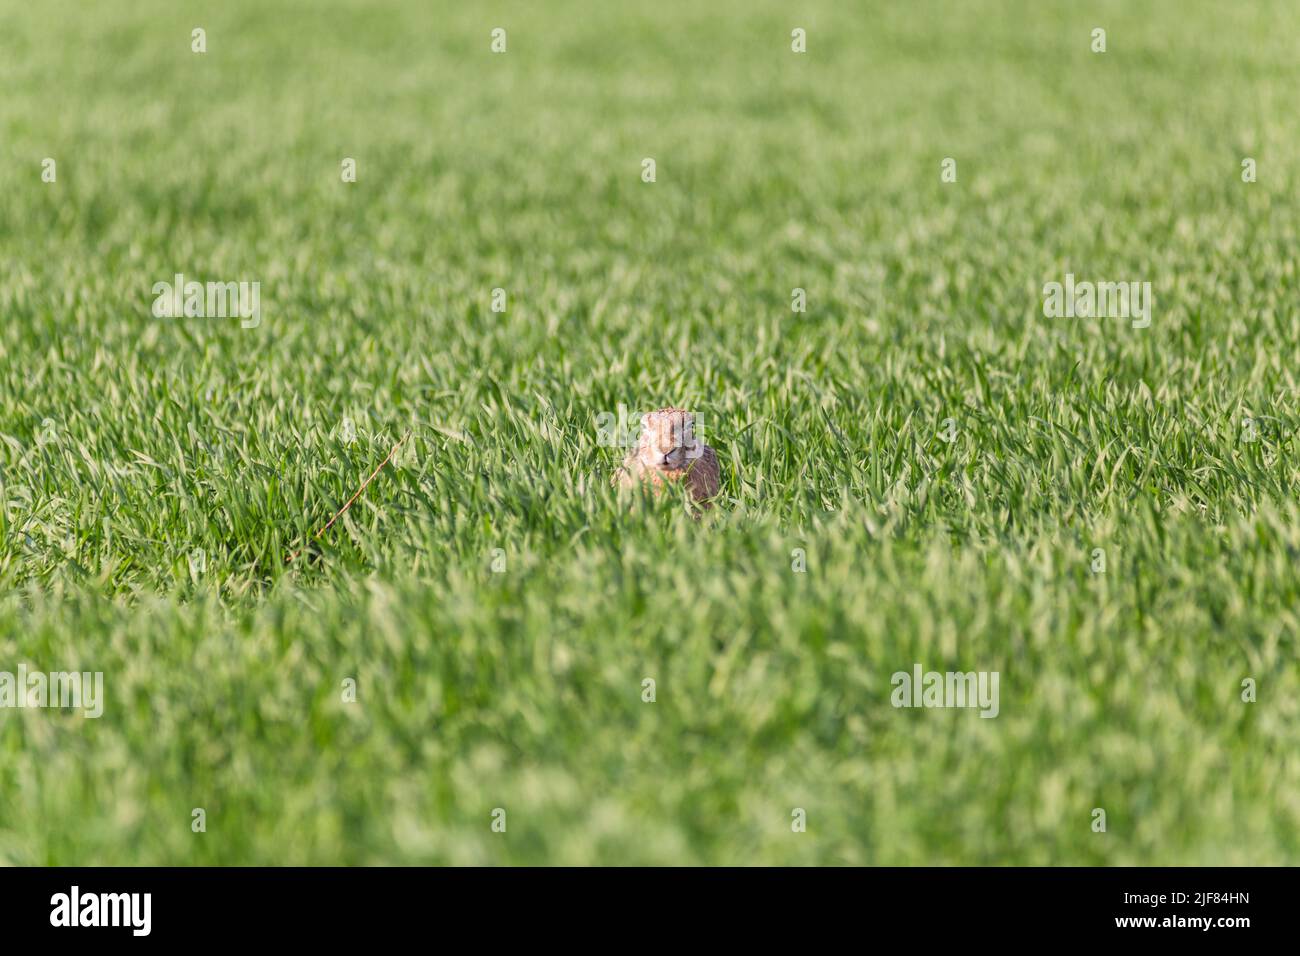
(645, 420)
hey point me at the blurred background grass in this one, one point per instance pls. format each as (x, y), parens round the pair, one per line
(522, 689)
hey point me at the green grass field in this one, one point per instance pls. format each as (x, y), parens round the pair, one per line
(130, 443)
